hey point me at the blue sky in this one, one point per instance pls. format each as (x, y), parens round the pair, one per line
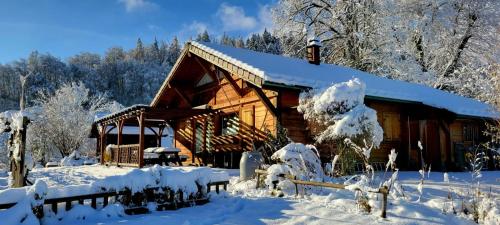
(66, 27)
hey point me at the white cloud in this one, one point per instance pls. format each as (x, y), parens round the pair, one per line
(234, 18)
(189, 31)
(265, 18)
(135, 5)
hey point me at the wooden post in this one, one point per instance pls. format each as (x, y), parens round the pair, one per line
(161, 128)
(68, 205)
(102, 141)
(141, 140)
(105, 201)
(296, 187)
(258, 181)
(119, 125)
(93, 202)
(193, 142)
(17, 161)
(54, 207)
(384, 191)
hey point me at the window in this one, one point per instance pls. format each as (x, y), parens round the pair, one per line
(391, 126)
(471, 132)
(230, 124)
(206, 79)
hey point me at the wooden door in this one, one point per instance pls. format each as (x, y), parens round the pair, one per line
(247, 126)
(433, 145)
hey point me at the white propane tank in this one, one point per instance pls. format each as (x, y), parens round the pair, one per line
(249, 162)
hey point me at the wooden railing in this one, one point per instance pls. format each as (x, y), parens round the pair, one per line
(125, 155)
(383, 190)
(134, 203)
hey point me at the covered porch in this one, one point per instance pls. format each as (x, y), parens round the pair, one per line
(204, 136)
(150, 125)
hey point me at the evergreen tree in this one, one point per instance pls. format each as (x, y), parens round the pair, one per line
(226, 40)
(138, 52)
(239, 43)
(153, 53)
(174, 50)
(203, 37)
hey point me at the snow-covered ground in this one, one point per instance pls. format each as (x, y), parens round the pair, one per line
(242, 204)
(75, 175)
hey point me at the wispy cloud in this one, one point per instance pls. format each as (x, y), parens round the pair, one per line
(234, 18)
(137, 5)
(192, 29)
(265, 17)
(230, 18)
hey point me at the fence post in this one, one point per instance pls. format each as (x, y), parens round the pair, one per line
(258, 181)
(384, 191)
(296, 187)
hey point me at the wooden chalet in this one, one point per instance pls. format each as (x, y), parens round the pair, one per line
(220, 100)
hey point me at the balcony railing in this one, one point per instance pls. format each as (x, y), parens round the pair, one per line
(125, 155)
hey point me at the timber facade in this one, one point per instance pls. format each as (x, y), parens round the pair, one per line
(217, 109)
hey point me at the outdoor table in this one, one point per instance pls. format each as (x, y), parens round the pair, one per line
(163, 154)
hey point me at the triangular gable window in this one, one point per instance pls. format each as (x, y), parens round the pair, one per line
(206, 79)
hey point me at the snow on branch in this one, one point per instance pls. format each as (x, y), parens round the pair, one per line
(341, 112)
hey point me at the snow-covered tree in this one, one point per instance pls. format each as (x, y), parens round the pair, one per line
(339, 112)
(173, 52)
(62, 121)
(446, 44)
(348, 30)
(139, 53)
(204, 37)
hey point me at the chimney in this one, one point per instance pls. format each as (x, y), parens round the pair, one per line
(313, 46)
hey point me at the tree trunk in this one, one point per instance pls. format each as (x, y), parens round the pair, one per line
(17, 160)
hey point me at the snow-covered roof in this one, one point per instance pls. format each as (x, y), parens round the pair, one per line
(101, 116)
(292, 71)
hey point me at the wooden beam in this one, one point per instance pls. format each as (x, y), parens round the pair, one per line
(232, 83)
(210, 70)
(207, 70)
(263, 97)
(183, 97)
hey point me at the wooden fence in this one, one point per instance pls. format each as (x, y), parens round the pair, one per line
(134, 203)
(383, 190)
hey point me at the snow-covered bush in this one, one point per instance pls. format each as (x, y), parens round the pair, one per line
(185, 180)
(76, 159)
(489, 211)
(273, 142)
(339, 112)
(62, 120)
(24, 211)
(296, 159)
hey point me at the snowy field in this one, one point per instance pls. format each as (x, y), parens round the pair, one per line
(242, 204)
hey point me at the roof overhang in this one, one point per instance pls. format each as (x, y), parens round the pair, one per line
(152, 116)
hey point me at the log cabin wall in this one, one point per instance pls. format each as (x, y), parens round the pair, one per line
(254, 116)
(291, 119)
(466, 134)
(404, 124)
(389, 118)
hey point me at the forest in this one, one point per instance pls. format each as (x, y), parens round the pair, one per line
(125, 76)
(450, 45)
